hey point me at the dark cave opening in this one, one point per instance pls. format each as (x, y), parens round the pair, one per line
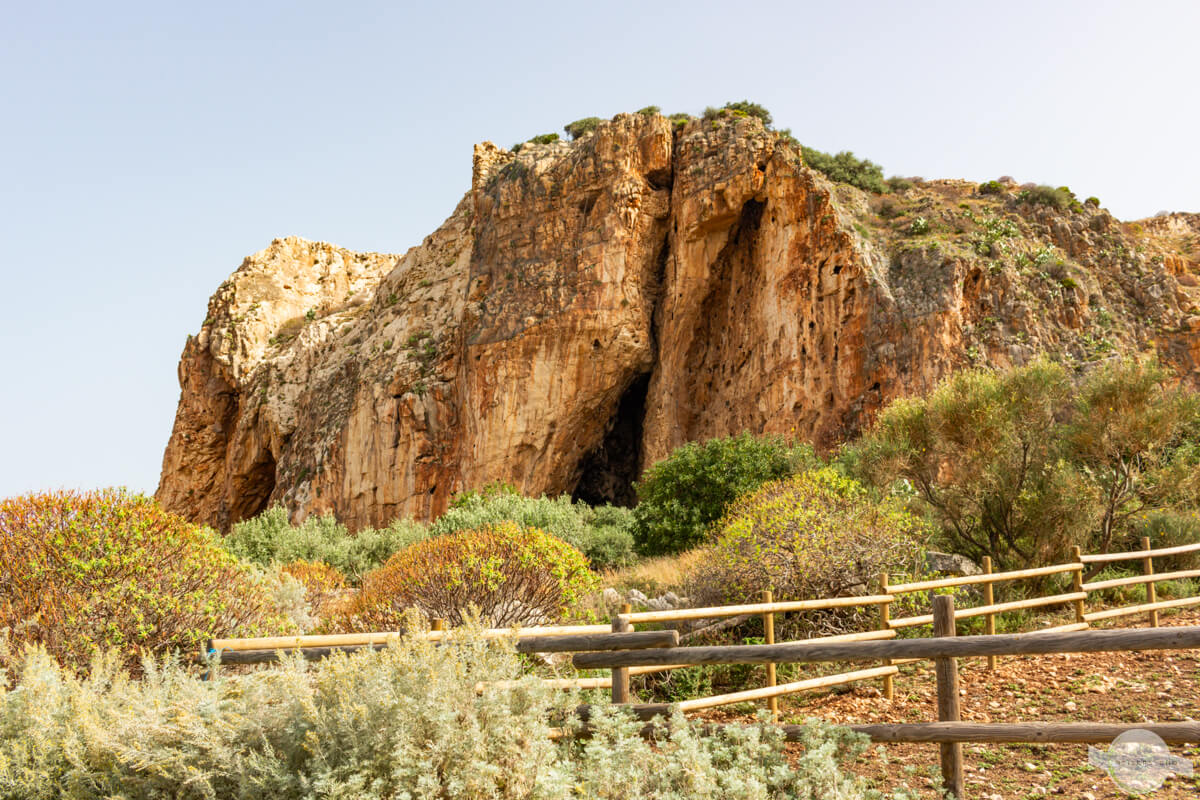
(251, 492)
(608, 471)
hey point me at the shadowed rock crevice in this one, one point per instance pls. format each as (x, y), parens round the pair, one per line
(709, 367)
(608, 471)
(251, 491)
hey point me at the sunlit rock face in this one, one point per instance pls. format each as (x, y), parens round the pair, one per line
(591, 305)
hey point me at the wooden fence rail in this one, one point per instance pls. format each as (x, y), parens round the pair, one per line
(949, 732)
(551, 638)
(1003, 644)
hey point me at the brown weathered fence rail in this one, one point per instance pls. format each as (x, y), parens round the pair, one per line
(566, 643)
(1031, 732)
(1180, 638)
(949, 732)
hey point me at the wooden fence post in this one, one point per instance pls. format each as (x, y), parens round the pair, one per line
(885, 615)
(1151, 592)
(989, 598)
(947, 696)
(768, 596)
(620, 675)
(1077, 582)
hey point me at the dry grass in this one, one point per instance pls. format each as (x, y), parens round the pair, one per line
(655, 575)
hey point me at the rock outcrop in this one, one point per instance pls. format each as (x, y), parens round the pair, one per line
(591, 305)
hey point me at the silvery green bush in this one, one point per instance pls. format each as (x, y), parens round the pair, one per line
(270, 539)
(405, 722)
(602, 533)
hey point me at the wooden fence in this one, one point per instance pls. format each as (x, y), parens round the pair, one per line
(949, 732)
(542, 639)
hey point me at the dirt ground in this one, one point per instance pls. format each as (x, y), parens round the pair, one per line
(1152, 686)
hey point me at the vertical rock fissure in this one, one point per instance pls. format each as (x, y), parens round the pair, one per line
(716, 351)
(607, 472)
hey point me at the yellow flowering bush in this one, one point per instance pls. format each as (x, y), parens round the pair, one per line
(511, 573)
(816, 534)
(84, 571)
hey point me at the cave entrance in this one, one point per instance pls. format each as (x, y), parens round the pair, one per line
(251, 492)
(608, 471)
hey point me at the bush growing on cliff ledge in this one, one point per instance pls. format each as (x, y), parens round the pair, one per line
(108, 569)
(846, 168)
(581, 127)
(682, 495)
(1061, 198)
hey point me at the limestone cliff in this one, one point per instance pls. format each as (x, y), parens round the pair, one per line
(590, 305)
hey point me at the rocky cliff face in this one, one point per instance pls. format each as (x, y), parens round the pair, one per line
(590, 306)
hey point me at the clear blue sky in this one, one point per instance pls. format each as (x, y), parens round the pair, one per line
(147, 148)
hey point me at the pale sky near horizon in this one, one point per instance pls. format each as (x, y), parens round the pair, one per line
(148, 147)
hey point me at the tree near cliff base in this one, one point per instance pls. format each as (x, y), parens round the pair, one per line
(84, 571)
(680, 497)
(1134, 438)
(512, 574)
(1021, 465)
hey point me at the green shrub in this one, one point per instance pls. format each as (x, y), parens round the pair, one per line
(1118, 595)
(545, 138)
(1060, 198)
(748, 109)
(983, 451)
(1021, 465)
(608, 536)
(816, 534)
(898, 184)
(269, 539)
(679, 120)
(1093, 201)
(406, 721)
(109, 569)
(581, 127)
(649, 111)
(1129, 436)
(682, 495)
(603, 534)
(846, 168)
(918, 227)
(1165, 528)
(513, 574)
(992, 187)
